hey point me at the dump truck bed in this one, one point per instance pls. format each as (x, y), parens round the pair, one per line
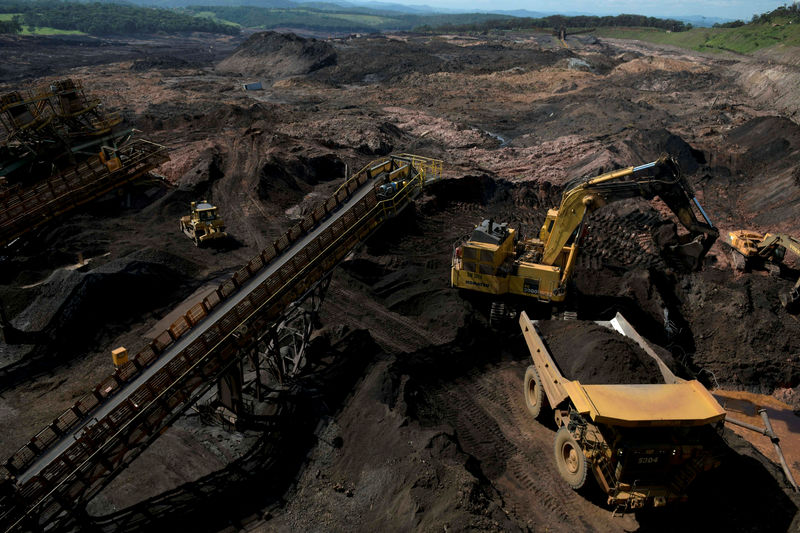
(676, 402)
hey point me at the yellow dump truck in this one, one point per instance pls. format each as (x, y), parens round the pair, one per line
(644, 444)
(203, 224)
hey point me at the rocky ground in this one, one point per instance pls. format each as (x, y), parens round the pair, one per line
(420, 424)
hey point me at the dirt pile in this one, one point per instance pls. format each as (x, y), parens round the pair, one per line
(752, 184)
(163, 62)
(376, 469)
(273, 56)
(282, 180)
(741, 333)
(772, 83)
(596, 355)
(377, 60)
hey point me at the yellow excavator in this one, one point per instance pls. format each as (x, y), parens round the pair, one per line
(751, 249)
(495, 261)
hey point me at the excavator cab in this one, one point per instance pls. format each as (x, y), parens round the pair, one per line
(542, 267)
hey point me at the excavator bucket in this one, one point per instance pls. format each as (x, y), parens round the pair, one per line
(690, 254)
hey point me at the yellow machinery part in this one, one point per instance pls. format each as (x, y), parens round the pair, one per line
(675, 404)
(119, 356)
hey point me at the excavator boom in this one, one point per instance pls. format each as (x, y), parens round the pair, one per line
(587, 195)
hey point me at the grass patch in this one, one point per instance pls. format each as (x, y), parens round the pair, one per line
(213, 16)
(742, 40)
(9, 16)
(26, 30)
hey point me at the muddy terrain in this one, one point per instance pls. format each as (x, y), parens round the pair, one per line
(410, 412)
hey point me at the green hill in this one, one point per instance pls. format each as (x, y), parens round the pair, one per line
(781, 26)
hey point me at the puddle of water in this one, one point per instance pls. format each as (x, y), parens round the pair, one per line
(744, 406)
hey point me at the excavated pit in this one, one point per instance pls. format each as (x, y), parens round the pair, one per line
(432, 432)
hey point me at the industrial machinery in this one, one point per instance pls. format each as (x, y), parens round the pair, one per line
(644, 444)
(203, 224)
(751, 249)
(49, 129)
(263, 313)
(60, 149)
(496, 261)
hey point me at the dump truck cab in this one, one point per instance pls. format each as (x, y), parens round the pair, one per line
(643, 443)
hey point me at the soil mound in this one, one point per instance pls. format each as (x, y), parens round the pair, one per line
(278, 55)
(595, 355)
(76, 309)
(650, 144)
(766, 139)
(765, 170)
(649, 64)
(162, 62)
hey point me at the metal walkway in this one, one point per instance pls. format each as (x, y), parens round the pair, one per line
(72, 459)
(25, 209)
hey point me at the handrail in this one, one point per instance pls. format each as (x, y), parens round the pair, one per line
(212, 349)
(26, 209)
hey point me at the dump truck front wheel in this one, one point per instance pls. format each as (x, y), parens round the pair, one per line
(570, 460)
(534, 395)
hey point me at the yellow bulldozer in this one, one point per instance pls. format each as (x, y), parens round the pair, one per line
(203, 224)
(754, 250)
(496, 261)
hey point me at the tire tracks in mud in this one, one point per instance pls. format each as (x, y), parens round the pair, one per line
(395, 333)
(515, 452)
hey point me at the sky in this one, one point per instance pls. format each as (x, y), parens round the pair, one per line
(730, 9)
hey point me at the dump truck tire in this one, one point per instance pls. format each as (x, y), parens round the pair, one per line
(534, 394)
(570, 461)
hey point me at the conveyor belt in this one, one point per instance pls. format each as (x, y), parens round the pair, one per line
(25, 209)
(73, 458)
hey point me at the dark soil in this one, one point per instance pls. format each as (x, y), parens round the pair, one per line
(434, 435)
(274, 56)
(596, 355)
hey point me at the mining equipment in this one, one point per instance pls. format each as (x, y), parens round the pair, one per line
(54, 127)
(264, 314)
(203, 224)
(59, 149)
(754, 250)
(494, 260)
(643, 444)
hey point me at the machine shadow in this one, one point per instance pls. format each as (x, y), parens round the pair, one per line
(257, 481)
(741, 495)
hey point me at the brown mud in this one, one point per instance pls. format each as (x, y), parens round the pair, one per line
(596, 355)
(431, 433)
